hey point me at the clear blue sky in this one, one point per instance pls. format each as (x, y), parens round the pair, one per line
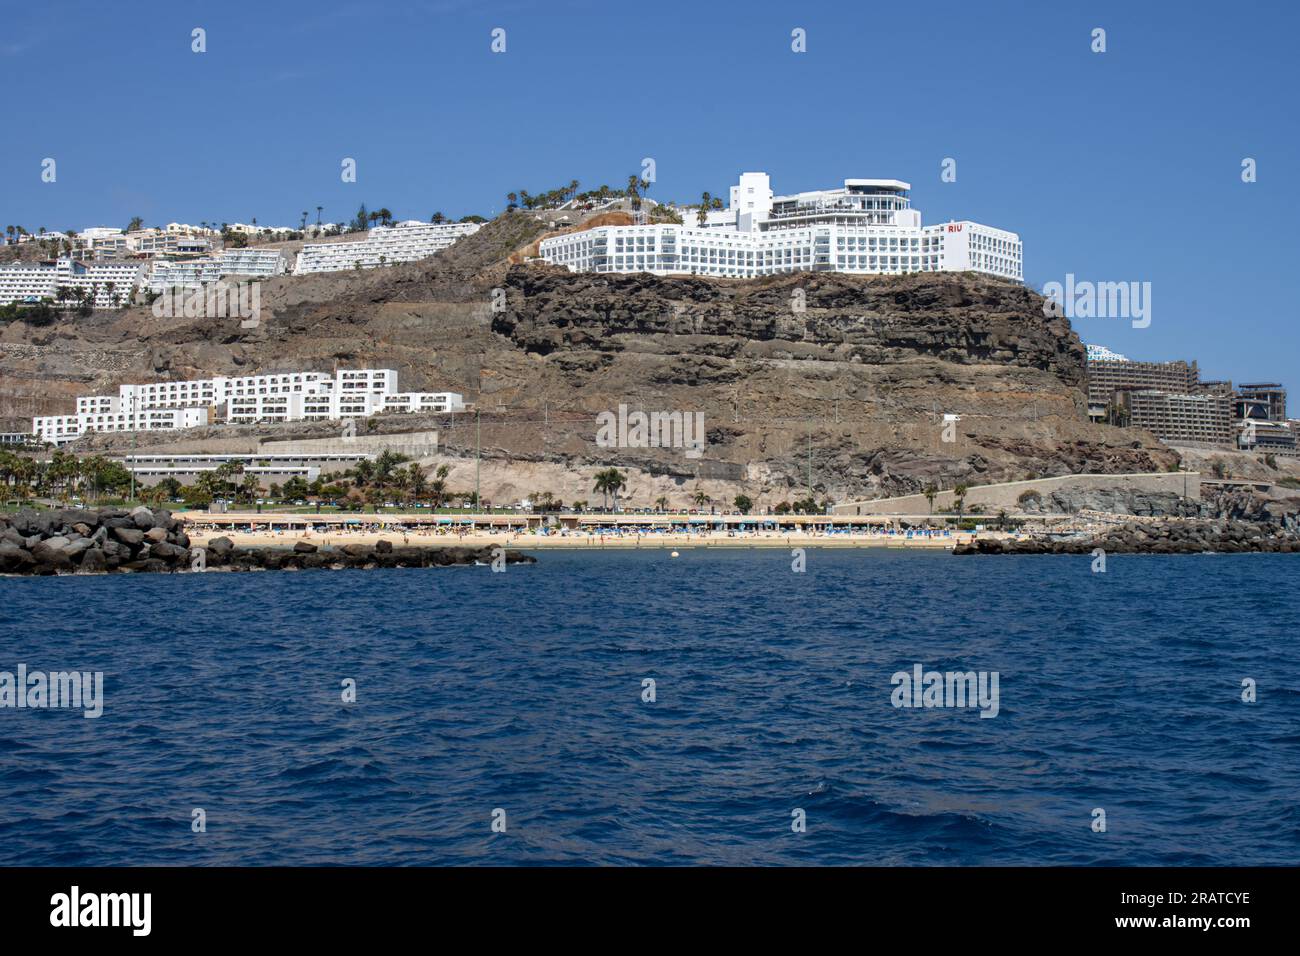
(1117, 166)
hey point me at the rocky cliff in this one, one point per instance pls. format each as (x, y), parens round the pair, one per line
(837, 382)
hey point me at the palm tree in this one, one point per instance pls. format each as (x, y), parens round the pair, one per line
(705, 200)
(700, 499)
(402, 480)
(930, 492)
(959, 493)
(608, 482)
(438, 487)
(662, 504)
(249, 488)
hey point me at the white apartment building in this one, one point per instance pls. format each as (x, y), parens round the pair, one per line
(155, 242)
(1099, 353)
(865, 227)
(257, 263)
(111, 283)
(170, 273)
(404, 242)
(247, 400)
(252, 262)
(58, 429)
(150, 469)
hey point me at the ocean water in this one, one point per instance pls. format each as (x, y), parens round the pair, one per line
(522, 692)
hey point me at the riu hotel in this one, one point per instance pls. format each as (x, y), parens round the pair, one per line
(866, 227)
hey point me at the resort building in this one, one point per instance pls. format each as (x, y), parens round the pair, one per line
(1261, 400)
(259, 263)
(866, 227)
(255, 263)
(1203, 419)
(1109, 373)
(172, 273)
(151, 469)
(1099, 353)
(1266, 437)
(99, 241)
(109, 283)
(249, 400)
(58, 429)
(404, 242)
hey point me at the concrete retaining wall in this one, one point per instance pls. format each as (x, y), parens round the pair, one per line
(1005, 496)
(413, 444)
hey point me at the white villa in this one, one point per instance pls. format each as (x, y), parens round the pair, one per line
(865, 227)
(255, 399)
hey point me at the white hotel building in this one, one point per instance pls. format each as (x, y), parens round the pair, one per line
(111, 283)
(865, 227)
(404, 242)
(255, 399)
(255, 263)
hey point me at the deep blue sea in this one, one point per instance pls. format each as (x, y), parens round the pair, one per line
(522, 692)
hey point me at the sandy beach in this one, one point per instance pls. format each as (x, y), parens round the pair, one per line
(573, 539)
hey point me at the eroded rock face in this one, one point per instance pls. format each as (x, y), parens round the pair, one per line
(876, 320)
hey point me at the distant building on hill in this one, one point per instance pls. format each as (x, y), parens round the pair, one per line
(866, 227)
(1099, 353)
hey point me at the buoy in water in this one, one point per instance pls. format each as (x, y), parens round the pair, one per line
(673, 555)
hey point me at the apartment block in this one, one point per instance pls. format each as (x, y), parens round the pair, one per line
(248, 400)
(1204, 418)
(385, 245)
(109, 284)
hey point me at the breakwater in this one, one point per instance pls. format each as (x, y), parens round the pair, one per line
(109, 540)
(1171, 537)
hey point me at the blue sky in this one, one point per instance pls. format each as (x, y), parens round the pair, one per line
(1122, 166)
